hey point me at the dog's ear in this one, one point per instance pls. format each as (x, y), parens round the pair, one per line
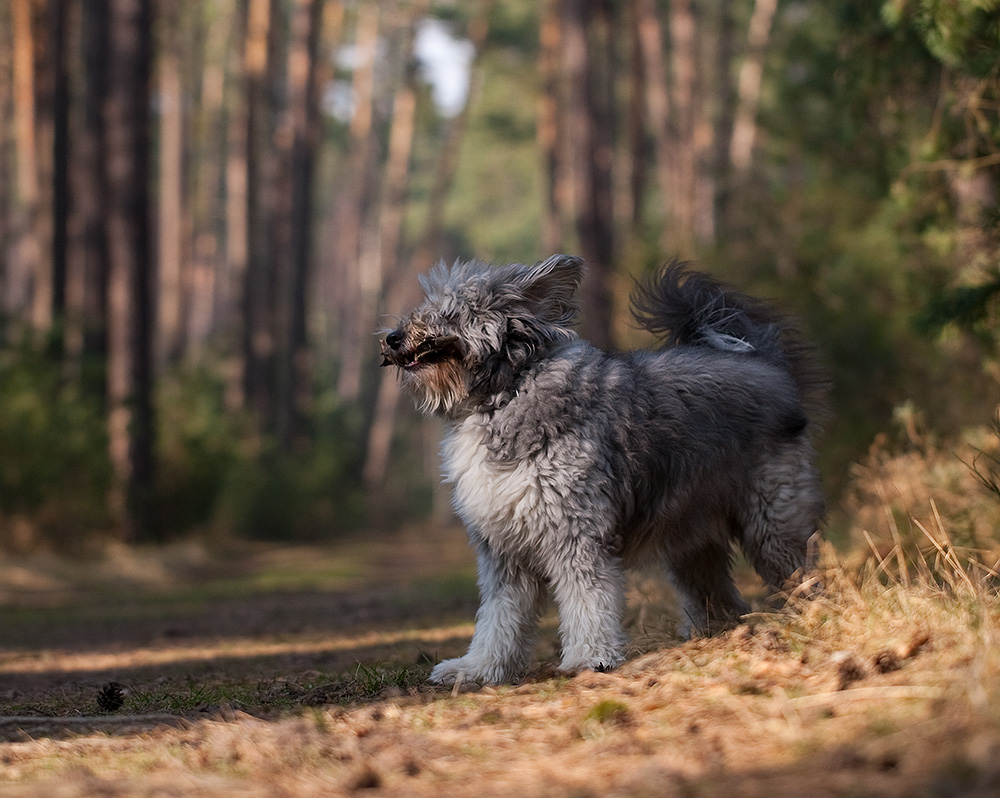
(550, 288)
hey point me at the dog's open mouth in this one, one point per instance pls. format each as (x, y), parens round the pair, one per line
(427, 353)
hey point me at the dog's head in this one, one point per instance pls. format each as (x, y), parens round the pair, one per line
(480, 326)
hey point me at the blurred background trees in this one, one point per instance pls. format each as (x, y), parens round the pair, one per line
(207, 209)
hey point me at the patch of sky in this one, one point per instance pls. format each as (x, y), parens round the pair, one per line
(444, 61)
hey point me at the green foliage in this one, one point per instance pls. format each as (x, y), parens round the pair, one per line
(306, 494)
(852, 226)
(964, 34)
(55, 474)
(218, 470)
(214, 469)
(199, 447)
(968, 306)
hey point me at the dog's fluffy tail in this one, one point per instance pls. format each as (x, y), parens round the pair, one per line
(685, 307)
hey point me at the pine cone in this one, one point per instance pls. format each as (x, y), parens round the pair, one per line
(111, 696)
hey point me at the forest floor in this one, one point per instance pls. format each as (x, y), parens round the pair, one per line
(300, 671)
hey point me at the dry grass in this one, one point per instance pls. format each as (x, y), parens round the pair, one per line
(886, 683)
(905, 495)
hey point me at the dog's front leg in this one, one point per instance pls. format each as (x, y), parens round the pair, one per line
(590, 594)
(511, 602)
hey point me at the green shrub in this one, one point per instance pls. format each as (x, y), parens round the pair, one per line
(310, 493)
(218, 469)
(55, 473)
(200, 443)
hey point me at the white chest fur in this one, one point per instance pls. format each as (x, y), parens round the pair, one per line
(497, 499)
(528, 505)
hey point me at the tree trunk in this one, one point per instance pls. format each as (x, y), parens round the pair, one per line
(751, 76)
(588, 68)
(170, 209)
(230, 300)
(210, 308)
(657, 108)
(130, 306)
(397, 167)
(357, 277)
(60, 97)
(682, 39)
(725, 92)
(637, 139)
(551, 132)
(24, 101)
(30, 283)
(706, 101)
(259, 344)
(87, 342)
(7, 162)
(303, 112)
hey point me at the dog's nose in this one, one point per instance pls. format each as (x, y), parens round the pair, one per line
(394, 339)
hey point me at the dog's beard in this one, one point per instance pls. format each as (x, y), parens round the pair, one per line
(430, 367)
(440, 387)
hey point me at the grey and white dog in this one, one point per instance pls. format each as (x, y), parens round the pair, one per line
(569, 463)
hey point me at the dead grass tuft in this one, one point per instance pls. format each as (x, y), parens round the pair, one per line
(928, 503)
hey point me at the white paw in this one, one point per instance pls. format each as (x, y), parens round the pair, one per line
(471, 670)
(607, 662)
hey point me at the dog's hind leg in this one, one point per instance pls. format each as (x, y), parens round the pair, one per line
(782, 511)
(511, 602)
(703, 577)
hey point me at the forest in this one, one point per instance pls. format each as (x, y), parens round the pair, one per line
(208, 210)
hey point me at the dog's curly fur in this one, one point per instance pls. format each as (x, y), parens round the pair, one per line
(569, 463)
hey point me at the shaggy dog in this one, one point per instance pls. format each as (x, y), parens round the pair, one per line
(569, 463)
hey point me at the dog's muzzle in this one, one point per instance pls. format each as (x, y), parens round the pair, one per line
(393, 349)
(398, 351)
(395, 339)
(390, 348)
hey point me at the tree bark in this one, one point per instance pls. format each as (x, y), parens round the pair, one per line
(658, 109)
(303, 113)
(750, 79)
(87, 341)
(60, 99)
(30, 277)
(358, 277)
(258, 339)
(682, 39)
(170, 208)
(551, 132)
(588, 67)
(130, 305)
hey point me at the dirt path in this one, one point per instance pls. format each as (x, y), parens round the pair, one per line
(185, 630)
(301, 673)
